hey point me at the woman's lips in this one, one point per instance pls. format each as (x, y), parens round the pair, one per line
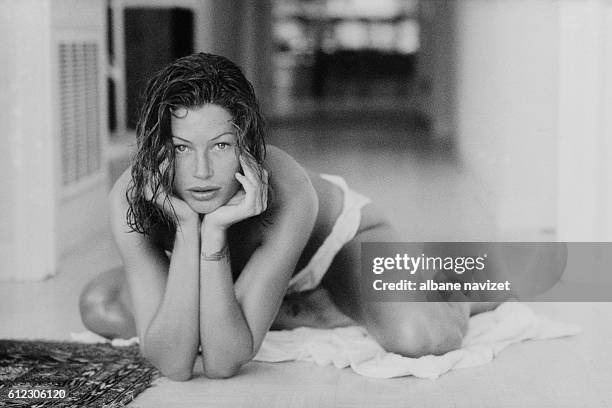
(204, 194)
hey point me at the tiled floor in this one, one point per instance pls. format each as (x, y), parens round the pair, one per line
(426, 195)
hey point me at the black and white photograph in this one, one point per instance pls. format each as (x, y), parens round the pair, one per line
(306, 203)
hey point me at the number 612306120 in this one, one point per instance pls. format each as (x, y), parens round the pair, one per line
(36, 393)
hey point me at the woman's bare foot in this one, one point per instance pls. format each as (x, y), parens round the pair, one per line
(314, 308)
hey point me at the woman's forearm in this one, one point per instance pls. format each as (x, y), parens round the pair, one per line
(172, 338)
(227, 341)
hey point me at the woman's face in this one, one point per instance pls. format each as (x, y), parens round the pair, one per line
(206, 157)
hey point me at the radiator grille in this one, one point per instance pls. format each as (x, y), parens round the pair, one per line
(79, 110)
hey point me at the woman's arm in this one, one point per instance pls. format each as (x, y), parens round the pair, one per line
(225, 334)
(234, 318)
(164, 293)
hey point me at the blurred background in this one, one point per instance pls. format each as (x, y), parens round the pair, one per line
(464, 120)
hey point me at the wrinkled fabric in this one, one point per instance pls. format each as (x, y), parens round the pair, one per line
(488, 334)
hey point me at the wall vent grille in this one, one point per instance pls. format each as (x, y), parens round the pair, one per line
(79, 110)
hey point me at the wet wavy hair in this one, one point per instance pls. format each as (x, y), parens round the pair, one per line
(188, 82)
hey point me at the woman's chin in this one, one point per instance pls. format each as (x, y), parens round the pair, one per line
(203, 207)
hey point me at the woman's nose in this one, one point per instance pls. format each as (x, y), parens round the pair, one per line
(203, 167)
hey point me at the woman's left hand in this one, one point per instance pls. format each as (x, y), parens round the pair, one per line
(248, 202)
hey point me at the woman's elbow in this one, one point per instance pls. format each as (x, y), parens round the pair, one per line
(221, 362)
(217, 371)
(171, 368)
(173, 372)
(219, 368)
(182, 375)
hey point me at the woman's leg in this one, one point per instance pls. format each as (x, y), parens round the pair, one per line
(313, 308)
(411, 328)
(105, 306)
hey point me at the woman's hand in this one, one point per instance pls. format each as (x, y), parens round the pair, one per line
(172, 206)
(252, 200)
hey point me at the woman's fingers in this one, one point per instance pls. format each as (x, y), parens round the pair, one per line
(251, 169)
(247, 185)
(250, 193)
(265, 189)
(257, 177)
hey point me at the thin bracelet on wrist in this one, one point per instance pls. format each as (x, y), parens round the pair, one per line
(223, 253)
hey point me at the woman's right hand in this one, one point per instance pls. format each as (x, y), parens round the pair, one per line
(173, 206)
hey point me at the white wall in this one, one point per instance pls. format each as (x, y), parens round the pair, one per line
(7, 170)
(39, 219)
(28, 193)
(532, 86)
(585, 121)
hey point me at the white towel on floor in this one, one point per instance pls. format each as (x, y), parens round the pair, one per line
(487, 335)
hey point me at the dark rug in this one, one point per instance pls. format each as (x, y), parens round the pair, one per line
(91, 375)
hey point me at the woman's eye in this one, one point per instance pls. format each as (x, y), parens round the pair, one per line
(180, 148)
(222, 146)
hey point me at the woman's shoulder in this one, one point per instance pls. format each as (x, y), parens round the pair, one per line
(292, 174)
(118, 205)
(329, 195)
(279, 162)
(299, 181)
(117, 193)
(290, 182)
(118, 202)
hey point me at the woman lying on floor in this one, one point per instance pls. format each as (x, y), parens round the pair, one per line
(215, 233)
